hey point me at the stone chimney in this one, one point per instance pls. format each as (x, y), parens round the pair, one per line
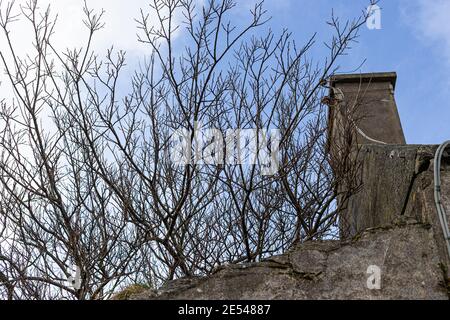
(366, 101)
(369, 99)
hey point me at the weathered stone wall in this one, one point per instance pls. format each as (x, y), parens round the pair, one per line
(406, 253)
(397, 181)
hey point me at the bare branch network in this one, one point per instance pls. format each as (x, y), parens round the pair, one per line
(86, 178)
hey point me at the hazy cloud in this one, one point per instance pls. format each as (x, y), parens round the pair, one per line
(430, 21)
(120, 27)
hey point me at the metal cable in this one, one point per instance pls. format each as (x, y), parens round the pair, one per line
(437, 194)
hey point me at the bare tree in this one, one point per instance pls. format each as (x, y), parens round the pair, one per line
(98, 188)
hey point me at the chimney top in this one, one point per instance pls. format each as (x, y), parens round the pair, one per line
(364, 78)
(377, 114)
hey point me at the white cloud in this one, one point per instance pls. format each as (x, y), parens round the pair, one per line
(431, 22)
(120, 27)
(120, 30)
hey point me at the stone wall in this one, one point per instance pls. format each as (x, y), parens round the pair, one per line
(406, 254)
(396, 181)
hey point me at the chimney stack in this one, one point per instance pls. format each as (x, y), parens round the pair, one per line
(363, 111)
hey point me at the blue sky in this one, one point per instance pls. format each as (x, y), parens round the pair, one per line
(414, 41)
